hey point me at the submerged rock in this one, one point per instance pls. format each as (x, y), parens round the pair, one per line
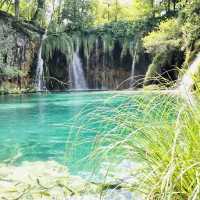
(51, 180)
(41, 180)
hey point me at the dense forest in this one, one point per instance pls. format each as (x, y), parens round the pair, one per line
(75, 136)
(121, 44)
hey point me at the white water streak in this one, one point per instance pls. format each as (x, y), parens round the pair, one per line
(76, 73)
(188, 80)
(133, 67)
(133, 64)
(40, 80)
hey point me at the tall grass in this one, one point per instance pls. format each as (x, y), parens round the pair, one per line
(162, 133)
(159, 131)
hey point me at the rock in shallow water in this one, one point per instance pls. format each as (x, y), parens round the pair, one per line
(40, 180)
(50, 180)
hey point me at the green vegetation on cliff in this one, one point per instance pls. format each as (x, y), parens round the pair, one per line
(166, 31)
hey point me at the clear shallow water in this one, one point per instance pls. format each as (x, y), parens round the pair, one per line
(57, 126)
(38, 126)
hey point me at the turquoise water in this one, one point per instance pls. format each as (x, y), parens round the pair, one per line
(51, 126)
(57, 126)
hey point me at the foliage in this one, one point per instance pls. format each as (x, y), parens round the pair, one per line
(125, 29)
(154, 69)
(109, 11)
(11, 72)
(167, 35)
(162, 43)
(125, 32)
(26, 8)
(57, 40)
(190, 17)
(9, 88)
(169, 152)
(143, 9)
(163, 138)
(40, 14)
(77, 14)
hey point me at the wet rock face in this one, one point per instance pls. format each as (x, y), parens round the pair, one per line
(105, 70)
(58, 72)
(101, 70)
(110, 70)
(17, 53)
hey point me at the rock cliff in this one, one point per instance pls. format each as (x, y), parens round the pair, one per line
(19, 42)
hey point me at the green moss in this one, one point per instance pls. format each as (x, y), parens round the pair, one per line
(154, 69)
(7, 87)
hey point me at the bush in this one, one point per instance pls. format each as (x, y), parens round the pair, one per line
(11, 72)
(167, 35)
(164, 43)
(190, 18)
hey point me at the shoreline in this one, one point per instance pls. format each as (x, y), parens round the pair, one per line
(137, 91)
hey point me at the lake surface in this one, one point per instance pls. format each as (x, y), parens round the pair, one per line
(58, 126)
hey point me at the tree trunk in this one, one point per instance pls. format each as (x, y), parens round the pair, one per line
(168, 5)
(152, 7)
(40, 12)
(174, 5)
(17, 9)
(60, 12)
(152, 3)
(116, 10)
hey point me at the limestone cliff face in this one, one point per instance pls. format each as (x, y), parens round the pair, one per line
(101, 70)
(19, 43)
(112, 71)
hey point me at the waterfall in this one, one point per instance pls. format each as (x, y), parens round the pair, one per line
(103, 84)
(133, 68)
(187, 80)
(76, 73)
(96, 63)
(134, 56)
(40, 81)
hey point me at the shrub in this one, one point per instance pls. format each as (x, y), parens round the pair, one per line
(167, 35)
(11, 72)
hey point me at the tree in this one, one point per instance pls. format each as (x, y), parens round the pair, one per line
(116, 10)
(143, 8)
(77, 13)
(170, 5)
(39, 16)
(17, 9)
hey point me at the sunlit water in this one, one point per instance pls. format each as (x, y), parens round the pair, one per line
(57, 126)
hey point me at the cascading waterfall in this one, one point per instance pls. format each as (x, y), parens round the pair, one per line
(40, 80)
(188, 81)
(134, 57)
(76, 73)
(103, 87)
(97, 63)
(133, 68)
